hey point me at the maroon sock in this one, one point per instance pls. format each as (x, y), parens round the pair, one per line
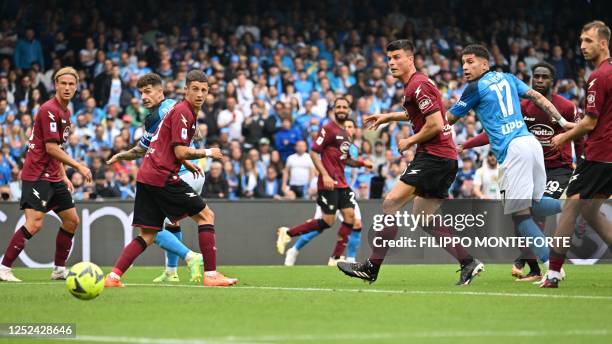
(129, 255)
(63, 244)
(343, 235)
(457, 251)
(307, 227)
(379, 253)
(556, 261)
(15, 246)
(206, 237)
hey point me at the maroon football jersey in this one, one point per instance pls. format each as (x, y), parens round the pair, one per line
(160, 165)
(540, 125)
(333, 144)
(51, 124)
(421, 99)
(598, 104)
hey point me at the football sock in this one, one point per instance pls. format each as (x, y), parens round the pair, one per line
(378, 253)
(556, 261)
(534, 267)
(343, 233)
(546, 206)
(206, 238)
(173, 246)
(304, 239)
(308, 226)
(529, 229)
(129, 255)
(15, 246)
(353, 243)
(459, 252)
(63, 244)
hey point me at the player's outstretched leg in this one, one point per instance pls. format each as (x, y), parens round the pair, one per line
(353, 243)
(127, 257)
(169, 239)
(285, 234)
(293, 252)
(34, 222)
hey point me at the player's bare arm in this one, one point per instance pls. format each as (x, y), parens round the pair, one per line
(66, 180)
(328, 182)
(583, 127)
(540, 101)
(450, 118)
(373, 122)
(136, 152)
(55, 151)
(189, 153)
(193, 168)
(433, 126)
(360, 163)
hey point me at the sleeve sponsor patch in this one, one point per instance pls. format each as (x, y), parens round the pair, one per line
(184, 133)
(53, 127)
(590, 98)
(424, 103)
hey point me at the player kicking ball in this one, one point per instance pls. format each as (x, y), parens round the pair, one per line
(161, 193)
(354, 238)
(332, 143)
(428, 177)
(170, 238)
(44, 182)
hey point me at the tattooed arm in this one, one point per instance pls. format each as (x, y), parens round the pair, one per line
(137, 152)
(540, 101)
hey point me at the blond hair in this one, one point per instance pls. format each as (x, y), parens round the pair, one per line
(66, 71)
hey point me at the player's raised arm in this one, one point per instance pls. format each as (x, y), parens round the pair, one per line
(136, 152)
(469, 100)
(373, 122)
(540, 101)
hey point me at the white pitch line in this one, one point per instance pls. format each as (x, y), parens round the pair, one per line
(335, 337)
(346, 290)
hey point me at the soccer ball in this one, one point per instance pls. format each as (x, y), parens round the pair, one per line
(85, 281)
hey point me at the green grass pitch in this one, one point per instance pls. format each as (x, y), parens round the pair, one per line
(316, 304)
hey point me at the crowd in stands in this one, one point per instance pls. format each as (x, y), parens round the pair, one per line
(274, 70)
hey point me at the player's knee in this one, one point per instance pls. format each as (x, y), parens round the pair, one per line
(34, 226)
(148, 235)
(71, 224)
(328, 219)
(208, 216)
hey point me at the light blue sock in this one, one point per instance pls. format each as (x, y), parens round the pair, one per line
(353, 243)
(528, 228)
(545, 207)
(305, 239)
(172, 259)
(172, 245)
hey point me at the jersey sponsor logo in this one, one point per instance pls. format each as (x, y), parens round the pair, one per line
(36, 193)
(542, 131)
(63, 120)
(184, 120)
(529, 119)
(53, 127)
(51, 115)
(339, 137)
(591, 98)
(190, 194)
(510, 127)
(461, 103)
(425, 103)
(412, 172)
(184, 133)
(344, 148)
(418, 91)
(592, 83)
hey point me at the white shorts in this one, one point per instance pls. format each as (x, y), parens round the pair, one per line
(197, 184)
(319, 213)
(522, 175)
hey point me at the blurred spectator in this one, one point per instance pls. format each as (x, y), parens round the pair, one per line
(485, 179)
(298, 171)
(215, 186)
(285, 139)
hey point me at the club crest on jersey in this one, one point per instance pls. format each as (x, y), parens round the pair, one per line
(65, 134)
(345, 146)
(591, 98)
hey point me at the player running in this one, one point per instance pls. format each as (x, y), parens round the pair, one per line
(494, 97)
(332, 144)
(354, 238)
(170, 238)
(160, 193)
(429, 176)
(44, 182)
(591, 183)
(558, 163)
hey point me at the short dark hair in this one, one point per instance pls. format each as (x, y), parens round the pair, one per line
(546, 65)
(602, 29)
(476, 49)
(401, 44)
(351, 120)
(149, 79)
(342, 98)
(196, 75)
